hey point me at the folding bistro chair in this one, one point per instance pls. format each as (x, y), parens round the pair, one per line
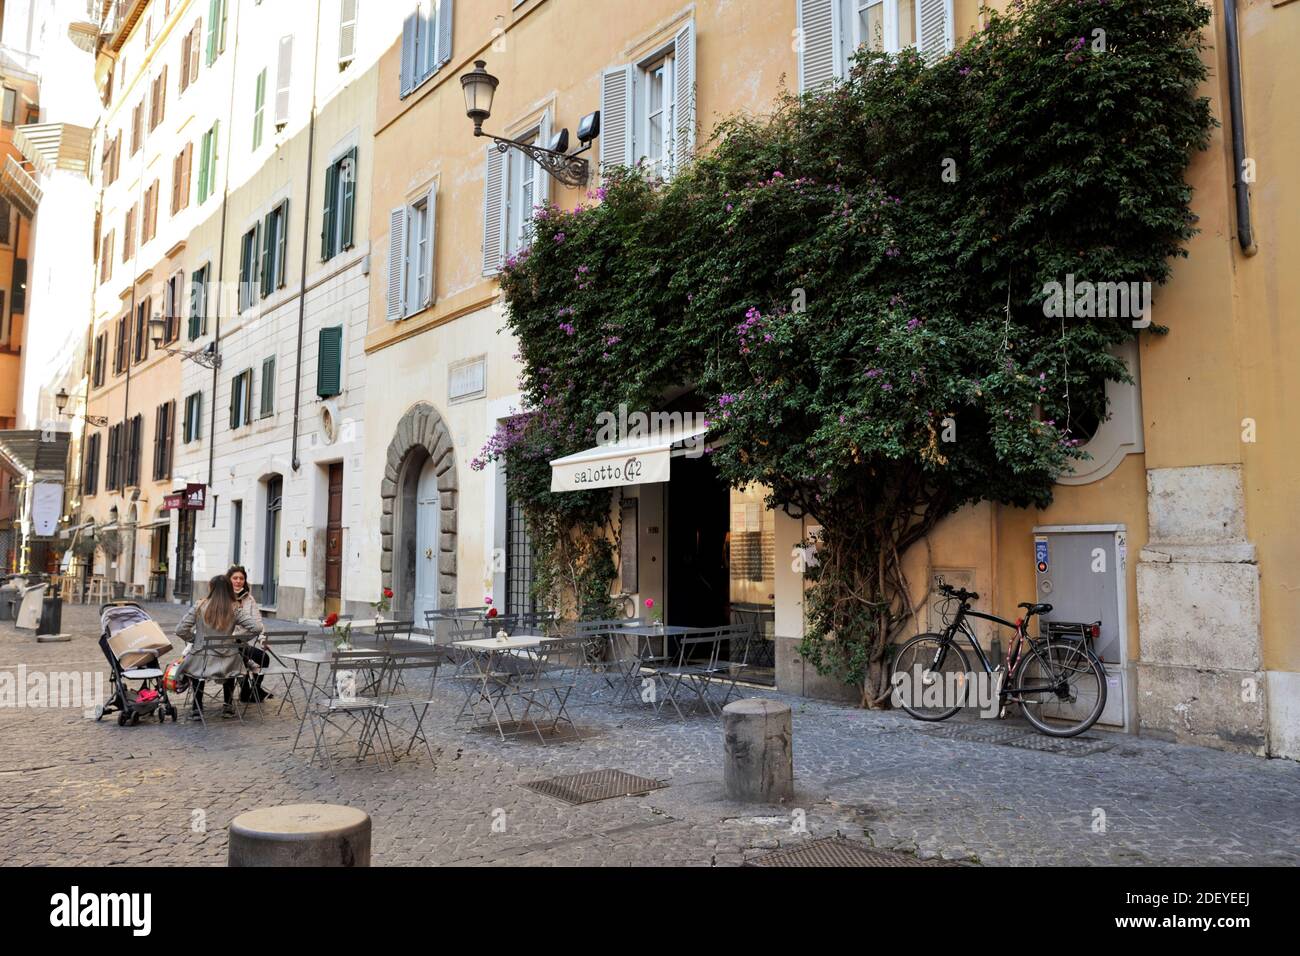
(213, 647)
(338, 702)
(288, 642)
(697, 662)
(558, 666)
(741, 641)
(411, 679)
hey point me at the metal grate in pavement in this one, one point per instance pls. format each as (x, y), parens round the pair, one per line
(837, 851)
(593, 785)
(1017, 737)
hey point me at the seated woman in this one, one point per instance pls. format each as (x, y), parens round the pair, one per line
(217, 615)
(255, 655)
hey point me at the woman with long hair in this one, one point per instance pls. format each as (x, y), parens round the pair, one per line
(217, 615)
(255, 655)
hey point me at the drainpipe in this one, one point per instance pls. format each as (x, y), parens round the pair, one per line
(306, 219)
(1245, 234)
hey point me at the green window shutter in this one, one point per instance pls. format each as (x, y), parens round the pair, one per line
(268, 386)
(205, 160)
(329, 362)
(197, 279)
(212, 164)
(236, 386)
(268, 253)
(281, 243)
(327, 220)
(349, 200)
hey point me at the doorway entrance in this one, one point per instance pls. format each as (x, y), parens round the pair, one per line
(334, 539)
(271, 549)
(427, 522)
(184, 585)
(698, 514)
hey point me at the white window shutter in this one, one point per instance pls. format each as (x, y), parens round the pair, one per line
(284, 69)
(347, 31)
(684, 81)
(494, 208)
(936, 36)
(444, 33)
(542, 179)
(431, 256)
(396, 263)
(818, 23)
(616, 117)
(410, 39)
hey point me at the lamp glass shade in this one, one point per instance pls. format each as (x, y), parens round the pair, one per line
(480, 86)
(61, 399)
(157, 329)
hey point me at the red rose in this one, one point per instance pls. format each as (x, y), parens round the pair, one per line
(332, 619)
(388, 592)
(492, 612)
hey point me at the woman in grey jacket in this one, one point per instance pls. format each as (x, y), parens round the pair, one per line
(217, 615)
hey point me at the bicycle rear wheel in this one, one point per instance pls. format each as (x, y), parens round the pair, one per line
(1084, 679)
(923, 674)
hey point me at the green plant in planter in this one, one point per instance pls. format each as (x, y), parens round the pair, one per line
(854, 286)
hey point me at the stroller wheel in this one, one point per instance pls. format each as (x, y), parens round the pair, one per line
(171, 712)
(162, 716)
(122, 718)
(135, 719)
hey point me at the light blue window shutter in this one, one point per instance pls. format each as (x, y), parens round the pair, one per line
(819, 60)
(616, 116)
(542, 179)
(684, 134)
(936, 37)
(431, 246)
(494, 208)
(410, 41)
(329, 362)
(396, 263)
(445, 8)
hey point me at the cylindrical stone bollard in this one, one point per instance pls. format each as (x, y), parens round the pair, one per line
(759, 762)
(301, 834)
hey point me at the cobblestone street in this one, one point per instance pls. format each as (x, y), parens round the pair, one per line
(73, 791)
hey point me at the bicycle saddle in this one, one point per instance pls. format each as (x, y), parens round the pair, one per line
(1036, 608)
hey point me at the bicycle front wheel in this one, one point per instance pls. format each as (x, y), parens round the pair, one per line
(930, 678)
(1077, 693)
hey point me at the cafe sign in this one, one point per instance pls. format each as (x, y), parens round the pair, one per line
(630, 470)
(193, 498)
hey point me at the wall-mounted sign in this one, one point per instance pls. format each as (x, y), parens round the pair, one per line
(1041, 554)
(610, 473)
(47, 507)
(193, 498)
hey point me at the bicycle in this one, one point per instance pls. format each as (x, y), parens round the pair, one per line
(1051, 679)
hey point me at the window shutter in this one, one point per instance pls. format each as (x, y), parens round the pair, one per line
(431, 203)
(162, 95)
(184, 79)
(348, 171)
(170, 438)
(214, 17)
(327, 220)
(187, 157)
(235, 385)
(494, 208)
(329, 362)
(270, 252)
(284, 69)
(268, 386)
(616, 117)
(936, 37)
(221, 34)
(541, 180)
(196, 38)
(444, 32)
(410, 42)
(157, 441)
(396, 263)
(684, 134)
(347, 31)
(818, 42)
(281, 244)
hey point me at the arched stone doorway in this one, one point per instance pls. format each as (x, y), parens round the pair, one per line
(418, 526)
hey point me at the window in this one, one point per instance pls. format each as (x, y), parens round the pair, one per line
(158, 99)
(271, 544)
(340, 205)
(10, 106)
(513, 186)
(521, 192)
(143, 310)
(259, 108)
(113, 460)
(236, 530)
(329, 362)
(250, 247)
(268, 387)
(181, 178)
(164, 427)
(426, 42)
(832, 30)
(137, 127)
(121, 345)
(198, 302)
(134, 440)
(283, 72)
(97, 363)
(520, 573)
(208, 164)
(191, 44)
(174, 306)
(90, 472)
(149, 221)
(888, 25)
(275, 243)
(347, 32)
(106, 257)
(216, 29)
(411, 237)
(128, 234)
(18, 295)
(648, 108)
(241, 399)
(6, 227)
(110, 160)
(191, 429)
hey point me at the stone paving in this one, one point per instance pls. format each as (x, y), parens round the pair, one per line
(73, 791)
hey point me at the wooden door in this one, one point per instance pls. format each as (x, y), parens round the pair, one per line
(334, 539)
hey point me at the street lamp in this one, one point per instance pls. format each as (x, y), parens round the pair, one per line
(480, 87)
(61, 402)
(206, 356)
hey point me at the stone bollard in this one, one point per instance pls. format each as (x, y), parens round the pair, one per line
(301, 834)
(759, 762)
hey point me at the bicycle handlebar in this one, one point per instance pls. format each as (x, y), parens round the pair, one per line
(960, 593)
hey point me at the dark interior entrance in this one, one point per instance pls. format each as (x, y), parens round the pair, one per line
(334, 539)
(698, 517)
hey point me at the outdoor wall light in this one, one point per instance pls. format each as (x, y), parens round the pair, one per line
(480, 87)
(61, 402)
(207, 356)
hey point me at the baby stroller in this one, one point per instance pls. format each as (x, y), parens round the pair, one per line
(133, 643)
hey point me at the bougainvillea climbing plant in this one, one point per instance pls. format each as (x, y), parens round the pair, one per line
(854, 285)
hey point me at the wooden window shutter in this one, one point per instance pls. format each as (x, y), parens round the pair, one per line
(162, 96)
(196, 44)
(818, 23)
(281, 243)
(445, 16)
(936, 37)
(348, 201)
(188, 159)
(410, 49)
(396, 263)
(347, 32)
(494, 208)
(157, 441)
(684, 74)
(284, 70)
(431, 255)
(269, 242)
(329, 362)
(184, 78)
(176, 181)
(327, 217)
(616, 117)
(268, 386)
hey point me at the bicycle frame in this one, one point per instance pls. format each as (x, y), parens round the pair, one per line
(1021, 629)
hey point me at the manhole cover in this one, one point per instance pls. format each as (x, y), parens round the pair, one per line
(975, 733)
(837, 851)
(593, 785)
(1065, 746)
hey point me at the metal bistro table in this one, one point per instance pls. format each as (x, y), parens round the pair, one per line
(312, 685)
(498, 667)
(643, 653)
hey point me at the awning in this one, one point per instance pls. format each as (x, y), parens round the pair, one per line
(35, 451)
(634, 461)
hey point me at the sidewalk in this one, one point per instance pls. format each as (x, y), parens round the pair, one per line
(73, 791)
